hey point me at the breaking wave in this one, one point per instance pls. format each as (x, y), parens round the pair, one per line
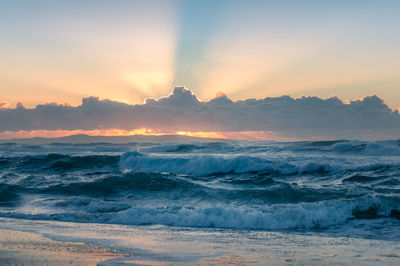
(276, 217)
(204, 165)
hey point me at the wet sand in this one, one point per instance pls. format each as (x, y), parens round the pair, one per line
(25, 248)
(70, 243)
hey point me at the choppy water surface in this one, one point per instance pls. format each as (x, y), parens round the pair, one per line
(346, 187)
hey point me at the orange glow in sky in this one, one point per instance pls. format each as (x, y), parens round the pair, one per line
(63, 133)
(216, 135)
(242, 135)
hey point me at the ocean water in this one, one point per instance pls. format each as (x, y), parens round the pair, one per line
(337, 188)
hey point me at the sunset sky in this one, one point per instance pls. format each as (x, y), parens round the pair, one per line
(126, 51)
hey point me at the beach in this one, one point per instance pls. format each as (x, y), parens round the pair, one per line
(27, 248)
(62, 243)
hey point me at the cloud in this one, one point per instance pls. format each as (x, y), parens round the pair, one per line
(4, 105)
(304, 118)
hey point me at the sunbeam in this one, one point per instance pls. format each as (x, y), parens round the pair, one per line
(198, 22)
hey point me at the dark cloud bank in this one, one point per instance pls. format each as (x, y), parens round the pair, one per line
(306, 117)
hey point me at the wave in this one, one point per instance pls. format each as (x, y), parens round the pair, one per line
(243, 189)
(9, 195)
(128, 184)
(275, 217)
(382, 148)
(205, 165)
(374, 148)
(189, 147)
(252, 189)
(216, 164)
(197, 164)
(54, 161)
(301, 216)
(191, 165)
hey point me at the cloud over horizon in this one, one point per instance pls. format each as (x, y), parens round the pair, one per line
(302, 118)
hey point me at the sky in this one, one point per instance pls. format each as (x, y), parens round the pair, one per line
(127, 51)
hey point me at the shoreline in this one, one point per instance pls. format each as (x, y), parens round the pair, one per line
(26, 248)
(41, 242)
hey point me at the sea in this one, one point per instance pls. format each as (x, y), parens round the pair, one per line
(321, 202)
